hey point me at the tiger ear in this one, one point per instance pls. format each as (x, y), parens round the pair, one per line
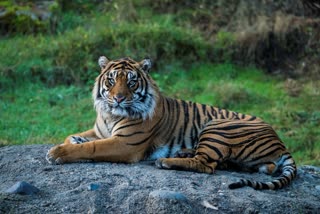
(146, 65)
(103, 61)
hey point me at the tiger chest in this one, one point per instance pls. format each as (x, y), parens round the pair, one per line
(103, 127)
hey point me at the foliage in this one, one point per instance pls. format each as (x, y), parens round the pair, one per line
(223, 44)
(72, 56)
(27, 17)
(46, 77)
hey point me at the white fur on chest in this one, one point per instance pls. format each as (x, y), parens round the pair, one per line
(105, 126)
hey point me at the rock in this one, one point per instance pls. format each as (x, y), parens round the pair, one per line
(23, 188)
(93, 187)
(206, 204)
(142, 188)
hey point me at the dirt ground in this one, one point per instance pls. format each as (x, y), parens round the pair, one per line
(142, 188)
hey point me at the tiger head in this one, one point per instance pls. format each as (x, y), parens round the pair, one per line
(124, 88)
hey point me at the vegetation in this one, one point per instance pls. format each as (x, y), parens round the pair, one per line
(46, 76)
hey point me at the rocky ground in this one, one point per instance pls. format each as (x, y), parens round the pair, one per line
(141, 188)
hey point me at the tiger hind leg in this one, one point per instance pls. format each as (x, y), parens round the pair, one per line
(208, 154)
(196, 164)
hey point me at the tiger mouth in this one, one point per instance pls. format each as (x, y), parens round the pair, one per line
(122, 105)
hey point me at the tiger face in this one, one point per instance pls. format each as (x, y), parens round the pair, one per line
(123, 88)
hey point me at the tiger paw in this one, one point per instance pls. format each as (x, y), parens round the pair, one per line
(161, 163)
(185, 153)
(57, 155)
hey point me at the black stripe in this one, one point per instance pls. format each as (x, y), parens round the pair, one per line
(252, 118)
(265, 186)
(139, 142)
(214, 112)
(171, 146)
(194, 137)
(288, 156)
(186, 120)
(235, 115)
(106, 69)
(204, 109)
(221, 113)
(213, 140)
(265, 155)
(254, 150)
(239, 134)
(196, 113)
(170, 126)
(237, 126)
(217, 151)
(129, 135)
(126, 125)
(181, 138)
(98, 95)
(276, 185)
(272, 145)
(207, 157)
(209, 116)
(99, 130)
(227, 113)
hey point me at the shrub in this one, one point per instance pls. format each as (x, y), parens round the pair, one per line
(28, 17)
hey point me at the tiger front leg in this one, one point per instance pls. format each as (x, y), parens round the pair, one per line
(110, 149)
(80, 138)
(196, 164)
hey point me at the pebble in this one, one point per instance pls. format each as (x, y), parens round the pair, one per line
(48, 168)
(93, 187)
(22, 188)
(206, 204)
(318, 187)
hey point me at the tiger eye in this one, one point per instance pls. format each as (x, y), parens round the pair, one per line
(132, 83)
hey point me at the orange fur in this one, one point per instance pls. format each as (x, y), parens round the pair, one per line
(136, 122)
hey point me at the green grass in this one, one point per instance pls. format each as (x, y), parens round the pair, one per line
(35, 114)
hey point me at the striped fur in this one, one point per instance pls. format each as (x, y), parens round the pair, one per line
(136, 122)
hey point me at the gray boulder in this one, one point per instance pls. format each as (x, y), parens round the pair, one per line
(142, 188)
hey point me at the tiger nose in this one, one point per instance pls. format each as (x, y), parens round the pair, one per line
(119, 98)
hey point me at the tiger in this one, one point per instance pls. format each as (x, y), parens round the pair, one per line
(135, 122)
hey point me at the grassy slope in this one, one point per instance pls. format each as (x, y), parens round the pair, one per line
(34, 113)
